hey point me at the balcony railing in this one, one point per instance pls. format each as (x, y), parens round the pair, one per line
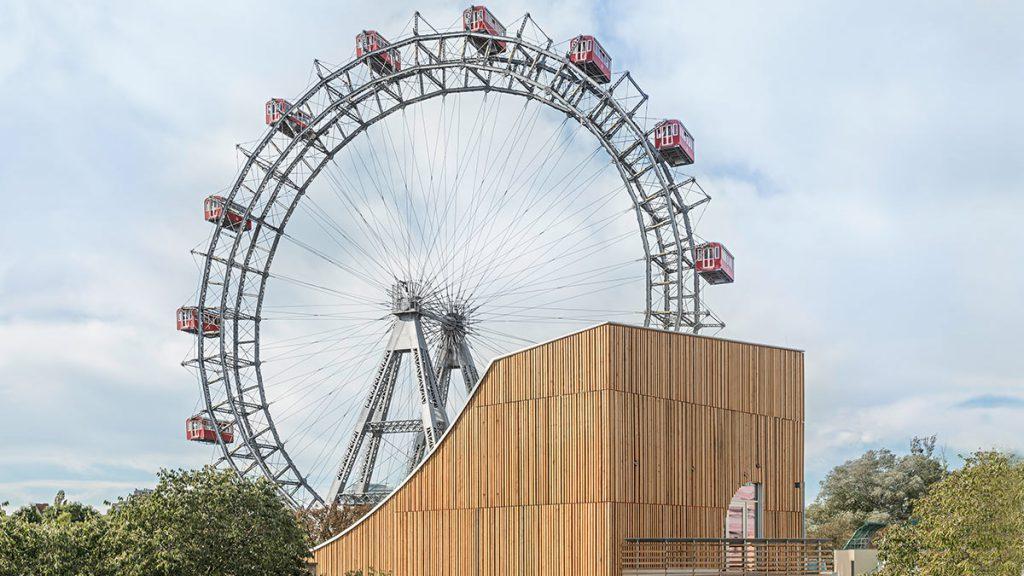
(726, 557)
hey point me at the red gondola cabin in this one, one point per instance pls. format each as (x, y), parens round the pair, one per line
(215, 207)
(715, 263)
(586, 53)
(188, 321)
(480, 19)
(295, 121)
(386, 62)
(201, 429)
(674, 142)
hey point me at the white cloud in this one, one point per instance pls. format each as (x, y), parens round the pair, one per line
(862, 159)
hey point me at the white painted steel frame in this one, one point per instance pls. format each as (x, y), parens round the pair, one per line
(343, 104)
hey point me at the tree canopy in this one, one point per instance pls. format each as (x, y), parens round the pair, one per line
(323, 522)
(63, 538)
(205, 522)
(972, 522)
(879, 486)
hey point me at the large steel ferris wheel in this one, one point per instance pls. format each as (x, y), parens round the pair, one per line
(436, 202)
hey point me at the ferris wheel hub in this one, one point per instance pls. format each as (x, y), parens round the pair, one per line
(406, 297)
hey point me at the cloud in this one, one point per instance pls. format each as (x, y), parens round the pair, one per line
(862, 160)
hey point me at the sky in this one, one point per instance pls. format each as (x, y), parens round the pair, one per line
(863, 160)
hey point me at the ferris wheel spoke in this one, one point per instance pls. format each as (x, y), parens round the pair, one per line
(584, 279)
(301, 351)
(324, 460)
(603, 286)
(523, 208)
(556, 318)
(516, 311)
(346, 241)
(341, 364)
(578, 251)
(380, 229)
(527, 246)
(493, 333)
(350, 296)
(548, 278)
(358, 273)
(560, 200)
(520, 182)
(548, 282)
(308, 435)
(399, 207)
(308, 408)
(488, 192)
(329, 346)
(462, 156)
(295, 365)
(569, 244)
(494, 225)
(451, 202)
(305, 338)
(366, 218)
(413, 225)
(298, 358)
(458, 236)
(542, 270)
(295, 402)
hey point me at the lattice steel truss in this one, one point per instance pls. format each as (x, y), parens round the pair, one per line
(344, 103)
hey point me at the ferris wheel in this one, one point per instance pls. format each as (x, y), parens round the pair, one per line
(438, 201)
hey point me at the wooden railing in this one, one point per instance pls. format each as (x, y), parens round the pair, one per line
(726, 556)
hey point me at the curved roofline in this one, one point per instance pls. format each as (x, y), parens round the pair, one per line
(483, 377)
(451, 427)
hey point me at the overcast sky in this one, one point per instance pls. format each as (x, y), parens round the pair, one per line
(864, 159)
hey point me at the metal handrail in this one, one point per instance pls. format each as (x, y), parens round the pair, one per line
(727, 556)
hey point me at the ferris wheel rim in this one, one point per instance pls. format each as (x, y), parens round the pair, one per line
(275, 180)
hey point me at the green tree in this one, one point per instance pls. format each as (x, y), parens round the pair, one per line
(204, 522)
(878, 486)
(58, 540)
(972, 522)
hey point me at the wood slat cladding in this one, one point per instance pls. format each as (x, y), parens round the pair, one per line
(570, 447)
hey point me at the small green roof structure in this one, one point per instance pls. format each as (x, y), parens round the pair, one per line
(862, 536)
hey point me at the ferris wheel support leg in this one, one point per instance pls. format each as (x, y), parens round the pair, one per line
(381, 415)
(447, 362)
(361, 429)
(443, 378)
(470, 377)
(406, 338)
(432, 412)
(453, 354)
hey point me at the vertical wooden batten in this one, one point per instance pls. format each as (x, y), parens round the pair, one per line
(567, 448)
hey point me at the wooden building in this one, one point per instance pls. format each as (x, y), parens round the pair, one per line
(568, 448)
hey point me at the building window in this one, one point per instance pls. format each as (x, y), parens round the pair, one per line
(744, 517)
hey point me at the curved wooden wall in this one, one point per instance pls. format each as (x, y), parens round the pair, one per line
(569, 447)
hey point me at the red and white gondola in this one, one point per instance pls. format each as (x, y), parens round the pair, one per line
(294, 120)
(189, 321)
(387, 61)
(588, 54)
(674, 142)
(199, 428)
(480, 19)
(715, 263)
(217, 209)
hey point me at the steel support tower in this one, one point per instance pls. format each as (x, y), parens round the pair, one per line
(406, 338)
(452, 354)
